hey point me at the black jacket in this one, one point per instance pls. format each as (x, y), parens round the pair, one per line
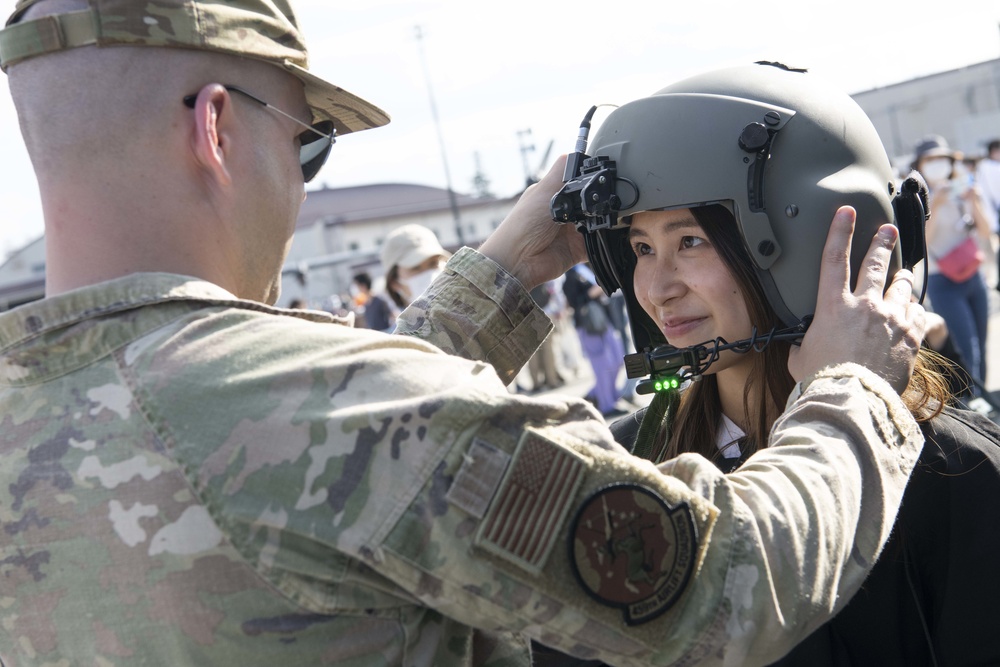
(933, 597)
(576, 287)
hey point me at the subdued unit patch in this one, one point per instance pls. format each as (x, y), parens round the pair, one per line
(478, 478)
(631, 550)
(525, 517)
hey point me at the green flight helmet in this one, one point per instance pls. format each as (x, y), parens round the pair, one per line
(780, 148)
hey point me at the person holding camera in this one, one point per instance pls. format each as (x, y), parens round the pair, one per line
(957, 231)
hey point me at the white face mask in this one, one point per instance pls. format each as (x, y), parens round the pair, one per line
(936, 170)
(419, 283)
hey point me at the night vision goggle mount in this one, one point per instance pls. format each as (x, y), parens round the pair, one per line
(589, 199)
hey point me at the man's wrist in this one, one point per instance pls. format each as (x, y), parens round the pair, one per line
(877, 386)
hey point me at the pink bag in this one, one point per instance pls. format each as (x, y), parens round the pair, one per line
(962, 261)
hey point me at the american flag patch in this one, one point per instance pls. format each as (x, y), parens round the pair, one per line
(525, 517)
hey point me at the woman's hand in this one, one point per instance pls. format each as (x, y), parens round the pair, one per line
(875, 327)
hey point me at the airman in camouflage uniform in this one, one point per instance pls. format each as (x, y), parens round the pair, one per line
(192, 477)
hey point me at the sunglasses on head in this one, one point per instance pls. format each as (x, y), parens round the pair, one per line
(315, 143)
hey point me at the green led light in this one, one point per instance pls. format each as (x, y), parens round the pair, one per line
(666, 384)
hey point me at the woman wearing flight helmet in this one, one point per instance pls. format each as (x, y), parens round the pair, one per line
(708, 204)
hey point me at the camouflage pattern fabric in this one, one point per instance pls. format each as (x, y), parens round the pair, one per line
(191, 479)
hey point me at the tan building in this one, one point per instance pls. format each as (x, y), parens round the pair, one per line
(340, 232)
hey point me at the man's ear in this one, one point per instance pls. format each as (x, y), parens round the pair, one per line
(212, 139)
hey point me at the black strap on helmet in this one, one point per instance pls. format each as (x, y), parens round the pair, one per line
(911, 212)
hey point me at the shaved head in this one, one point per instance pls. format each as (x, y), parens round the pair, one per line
(133, 178)
(98, 104)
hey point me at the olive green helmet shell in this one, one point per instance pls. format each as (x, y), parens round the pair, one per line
(781, 149)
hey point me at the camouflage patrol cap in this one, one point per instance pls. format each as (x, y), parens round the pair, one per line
(265, 30)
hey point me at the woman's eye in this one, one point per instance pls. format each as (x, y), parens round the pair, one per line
(640, 248)
(691, 241)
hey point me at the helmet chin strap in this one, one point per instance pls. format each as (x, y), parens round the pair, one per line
(668, 366)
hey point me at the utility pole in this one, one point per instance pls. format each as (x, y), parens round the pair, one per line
(480, 184)
(525, 149)
(437, 124)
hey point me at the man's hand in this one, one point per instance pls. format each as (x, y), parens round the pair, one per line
(880, 332)
(529, 243)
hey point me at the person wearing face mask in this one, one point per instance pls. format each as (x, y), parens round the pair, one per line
(956, 231)
(413, 258)
(374, 310)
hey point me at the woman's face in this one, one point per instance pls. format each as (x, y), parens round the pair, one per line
(414, 280)
(429, 264)
(683, 284)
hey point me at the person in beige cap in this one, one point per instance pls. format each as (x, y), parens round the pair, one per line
(412, 257)
(190, 476)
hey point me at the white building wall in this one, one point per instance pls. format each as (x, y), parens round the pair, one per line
(962, 105)
(22, 276)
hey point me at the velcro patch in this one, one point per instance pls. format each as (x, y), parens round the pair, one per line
(524, 520)
(478, 478)
(631, 550)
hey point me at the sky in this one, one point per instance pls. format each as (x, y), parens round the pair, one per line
(518, 74)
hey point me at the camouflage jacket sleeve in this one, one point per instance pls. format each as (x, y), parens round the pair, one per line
(190, 479)
(374, 478)
(478, 311)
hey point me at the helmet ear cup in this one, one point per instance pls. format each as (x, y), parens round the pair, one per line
(601, 262)
(911, 212)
